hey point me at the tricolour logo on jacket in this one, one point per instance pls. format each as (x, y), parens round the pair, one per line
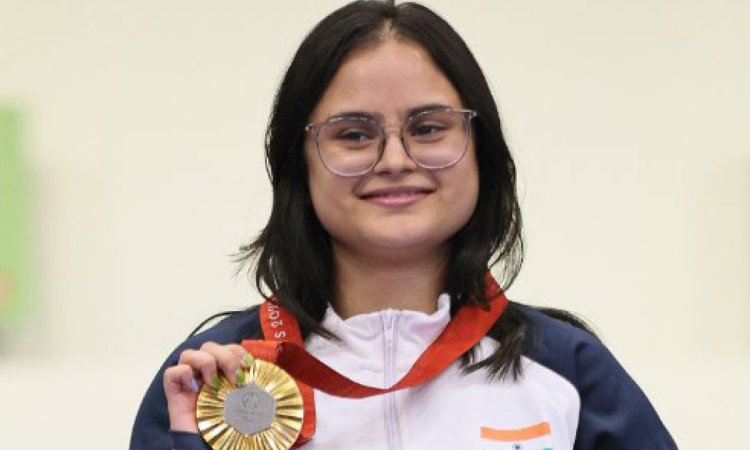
(534, 437)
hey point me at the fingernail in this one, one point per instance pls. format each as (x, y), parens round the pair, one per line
(215, 382)
(239, 377)
(194, 385)
(247, 360)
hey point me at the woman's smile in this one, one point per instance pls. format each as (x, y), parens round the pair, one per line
(396, 196)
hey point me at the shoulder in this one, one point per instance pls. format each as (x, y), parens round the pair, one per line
(560, 345)
(233, 328)
(615, 413)
(151, 427)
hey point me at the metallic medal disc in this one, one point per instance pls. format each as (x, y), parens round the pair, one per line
(263, 413)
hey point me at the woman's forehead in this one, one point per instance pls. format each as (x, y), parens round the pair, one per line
(388, 80)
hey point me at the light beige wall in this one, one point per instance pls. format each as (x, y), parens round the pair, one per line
(144, 127)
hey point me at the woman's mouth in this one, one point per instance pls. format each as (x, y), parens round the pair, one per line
(395, 197)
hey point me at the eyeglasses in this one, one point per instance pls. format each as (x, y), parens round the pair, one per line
(353, 145)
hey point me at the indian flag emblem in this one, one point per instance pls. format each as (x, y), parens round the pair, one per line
(534, 437)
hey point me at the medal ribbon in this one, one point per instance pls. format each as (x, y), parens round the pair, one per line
(283, 345)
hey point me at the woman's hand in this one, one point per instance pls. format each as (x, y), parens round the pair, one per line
(195, 368)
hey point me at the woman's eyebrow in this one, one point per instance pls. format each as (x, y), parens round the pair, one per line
(427, 107)
(356, 114)
(379, 117)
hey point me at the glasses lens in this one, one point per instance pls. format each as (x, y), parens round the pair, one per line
(437, 139)
(349, 146)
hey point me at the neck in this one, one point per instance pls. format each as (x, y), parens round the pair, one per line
(366, 284)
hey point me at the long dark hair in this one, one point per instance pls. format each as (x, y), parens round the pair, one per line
(293, 254)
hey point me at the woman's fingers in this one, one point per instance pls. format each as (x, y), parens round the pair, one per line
(195, 367)
(237, 349)
(180, 378)
(181, 387)
(202, 364)
(226, 357)
(213, 357)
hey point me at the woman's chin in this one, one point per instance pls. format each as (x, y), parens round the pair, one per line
(400, 246)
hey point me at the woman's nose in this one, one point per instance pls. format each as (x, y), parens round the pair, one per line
(395, 158)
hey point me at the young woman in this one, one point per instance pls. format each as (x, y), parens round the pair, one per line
(394, 191)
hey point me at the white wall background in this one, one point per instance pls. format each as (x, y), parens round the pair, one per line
(144, 126)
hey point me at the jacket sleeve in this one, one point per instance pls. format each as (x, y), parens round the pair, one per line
(614, 413)
(151, 428)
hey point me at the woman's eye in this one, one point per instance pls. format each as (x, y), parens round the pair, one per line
(355, 136)
(427, 129)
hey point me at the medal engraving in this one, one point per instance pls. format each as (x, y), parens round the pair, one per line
(249, 409)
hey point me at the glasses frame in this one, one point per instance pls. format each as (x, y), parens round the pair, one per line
(466, 115)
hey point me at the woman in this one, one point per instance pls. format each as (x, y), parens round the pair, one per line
(394, 191)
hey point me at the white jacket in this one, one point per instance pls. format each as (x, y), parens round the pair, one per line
(449, 412)
(572, 394)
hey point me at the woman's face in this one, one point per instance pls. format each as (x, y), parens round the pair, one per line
(398, 209)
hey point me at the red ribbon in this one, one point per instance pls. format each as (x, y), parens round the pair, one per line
(283, 345)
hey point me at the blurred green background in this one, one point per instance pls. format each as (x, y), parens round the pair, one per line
(14, 240)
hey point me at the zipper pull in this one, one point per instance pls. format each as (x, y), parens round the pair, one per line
(388, 319)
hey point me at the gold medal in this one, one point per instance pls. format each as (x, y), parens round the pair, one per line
(262, 412)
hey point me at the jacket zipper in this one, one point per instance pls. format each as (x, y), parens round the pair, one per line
(392, 429)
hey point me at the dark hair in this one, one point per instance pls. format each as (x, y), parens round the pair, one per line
(293, 253)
